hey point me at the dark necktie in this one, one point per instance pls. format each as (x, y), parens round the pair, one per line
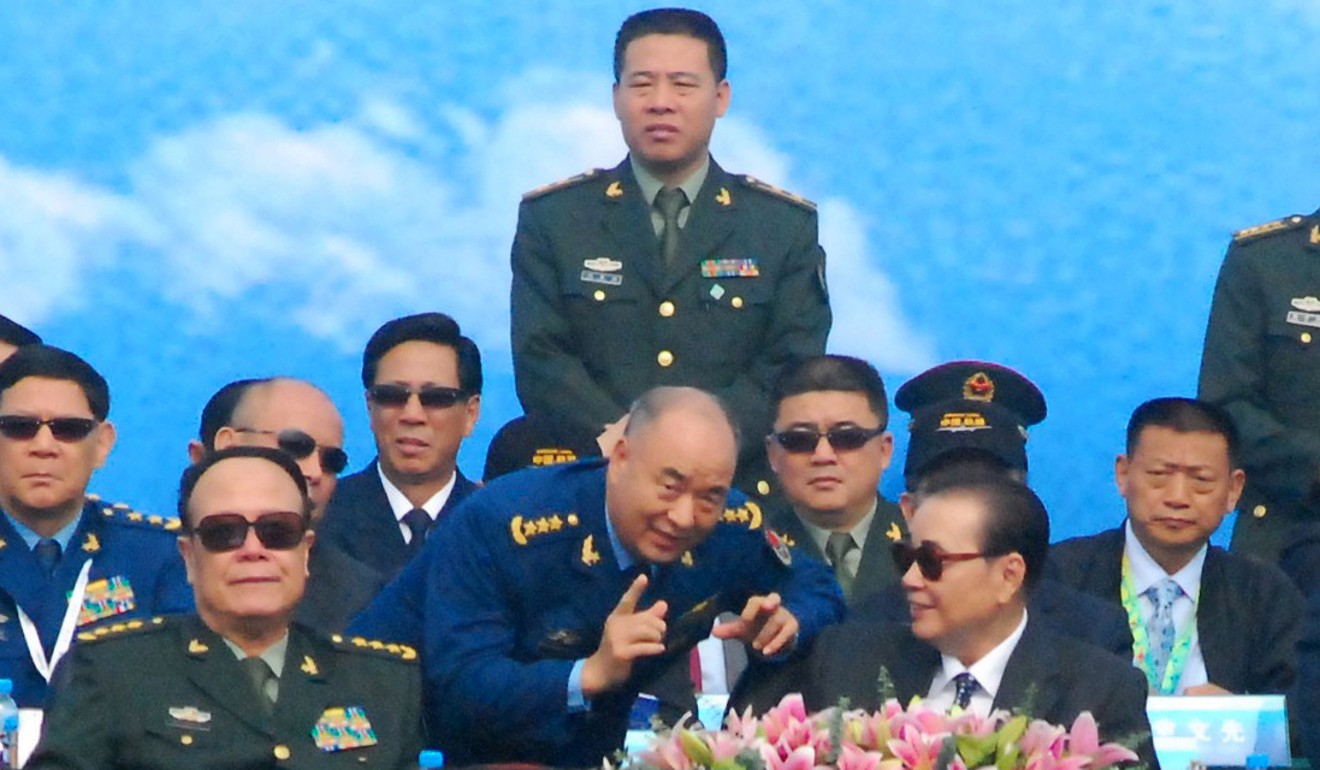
(669, 201)
(48, 554)
(418, 522)
(964, 685)
(837, 548)
(262, 677)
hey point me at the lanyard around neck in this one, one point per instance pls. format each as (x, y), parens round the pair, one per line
(1161, 682)
(46, 666)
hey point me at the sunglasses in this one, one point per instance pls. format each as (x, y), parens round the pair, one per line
(928, 557)
(431, 396)
(300, 445)
(67, 429)
(842, 438)
(277, 531)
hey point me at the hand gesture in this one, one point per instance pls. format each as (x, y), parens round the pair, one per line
(765, 624)
(629, 634)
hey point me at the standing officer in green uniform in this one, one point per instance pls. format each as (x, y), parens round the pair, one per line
(237, 685)
(1261, 363)
(665, 270)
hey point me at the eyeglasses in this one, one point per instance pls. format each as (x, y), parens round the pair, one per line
(928, 557)
(298, 444)
(278, 531)
(841, 438)
(431, 396)
(67, 429)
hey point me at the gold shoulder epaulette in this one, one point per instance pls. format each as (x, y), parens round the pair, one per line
(123, 628)
(778, 192)
(748, 514)
(383, 649)
(1277, 226)
(562, 184)
(527, 529)
(121, 513)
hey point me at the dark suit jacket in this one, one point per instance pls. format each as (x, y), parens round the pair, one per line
(338, 586)
(360, 522)
(876, 570)
(1050, 676)
(1248, 620)
(170, 694)
(1304, 703)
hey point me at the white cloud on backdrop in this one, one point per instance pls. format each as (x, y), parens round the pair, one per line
(353, 227)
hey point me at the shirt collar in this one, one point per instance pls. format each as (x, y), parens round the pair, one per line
(1146, 572)
(820, 535)
(31, 538)
(650, 184)
(273, 655)
(621, 554)
(989, 670)
(399, 501)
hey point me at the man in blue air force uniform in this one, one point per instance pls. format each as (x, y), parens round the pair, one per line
(555, 594)
(68, 561)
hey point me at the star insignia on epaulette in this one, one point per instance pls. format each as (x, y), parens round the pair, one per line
(135, 516)
(91, 544)
(1278, 225)
(308, 666)
(590, 556)
(1315, 235)
(3, 543)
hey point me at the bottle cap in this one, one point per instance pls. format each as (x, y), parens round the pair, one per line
(431, 758)
(6, 686)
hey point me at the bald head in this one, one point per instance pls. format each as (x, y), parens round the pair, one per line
(700, 405)
(281, 404)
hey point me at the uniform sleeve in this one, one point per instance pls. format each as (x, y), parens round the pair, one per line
(77, 733)
(549, 374)
(396, 613)
(483, 696)
(799, 324)
(1284, 461)
(173, 594)
(811, 592)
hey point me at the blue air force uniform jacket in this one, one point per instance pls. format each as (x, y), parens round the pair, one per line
(522, 579)
(136, 571)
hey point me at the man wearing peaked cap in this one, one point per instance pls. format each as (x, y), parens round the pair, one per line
(974, 381)
(611, 295)
(238, 684)
(556, 593)
(946, 431)
(60, 546)
(535, 440)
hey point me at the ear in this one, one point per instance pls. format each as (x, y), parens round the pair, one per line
(886, 450)
(225, 438)
(773, 453)
(472, 411)
(195, 451)
(723, 95)
(907, 503)
(186, 552)
(1122, 467)
(617, 95)
(309, 538)
(105, 441)
(1236, 481)
(1013, 570)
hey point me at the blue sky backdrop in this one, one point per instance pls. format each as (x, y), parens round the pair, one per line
(194, 192)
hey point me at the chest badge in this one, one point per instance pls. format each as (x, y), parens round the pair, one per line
(1306, 304)
(730, 268)
(603, 264)
(343, 728)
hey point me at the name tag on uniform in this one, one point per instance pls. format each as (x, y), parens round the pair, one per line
(729, 268)
(1304, 319)
(343, 728)
(595, 276)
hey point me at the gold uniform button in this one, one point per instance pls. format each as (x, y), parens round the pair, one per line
(736, 302)
(599, 295)
(1306, 338)
(1259, 511)
(282, 752)
(666, 308)
(665, 358)
(186, 740)
(763, 487)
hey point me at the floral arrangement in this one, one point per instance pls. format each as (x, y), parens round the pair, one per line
(893, 738)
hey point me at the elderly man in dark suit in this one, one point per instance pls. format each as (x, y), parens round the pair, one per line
(978, 547)
(1203, 621)
(238, 684)
(423, 382)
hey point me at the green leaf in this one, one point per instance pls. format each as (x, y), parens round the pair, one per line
(695, 748)
(977, 750)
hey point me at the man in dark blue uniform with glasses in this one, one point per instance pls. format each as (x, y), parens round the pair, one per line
(423, 390)
(68, 561)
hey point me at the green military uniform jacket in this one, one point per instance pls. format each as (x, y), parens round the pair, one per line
(598, 319)
(1262, 363)
(169, 693)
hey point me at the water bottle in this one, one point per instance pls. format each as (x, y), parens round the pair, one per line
(8, 724)
(431, 760)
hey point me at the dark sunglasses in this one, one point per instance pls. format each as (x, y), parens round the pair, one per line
(67, 429)
(842, 438)
(928, 557)
(432, 396)
(298, 444)
(277, 531)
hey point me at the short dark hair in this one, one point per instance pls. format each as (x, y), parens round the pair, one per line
(219, 411)
(957, 463)
(673, 21)
(831, 372)
(1183, 415)
(425, 327)
(57, 364)
(17, 334)
(193, 474)
(1015, 519)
